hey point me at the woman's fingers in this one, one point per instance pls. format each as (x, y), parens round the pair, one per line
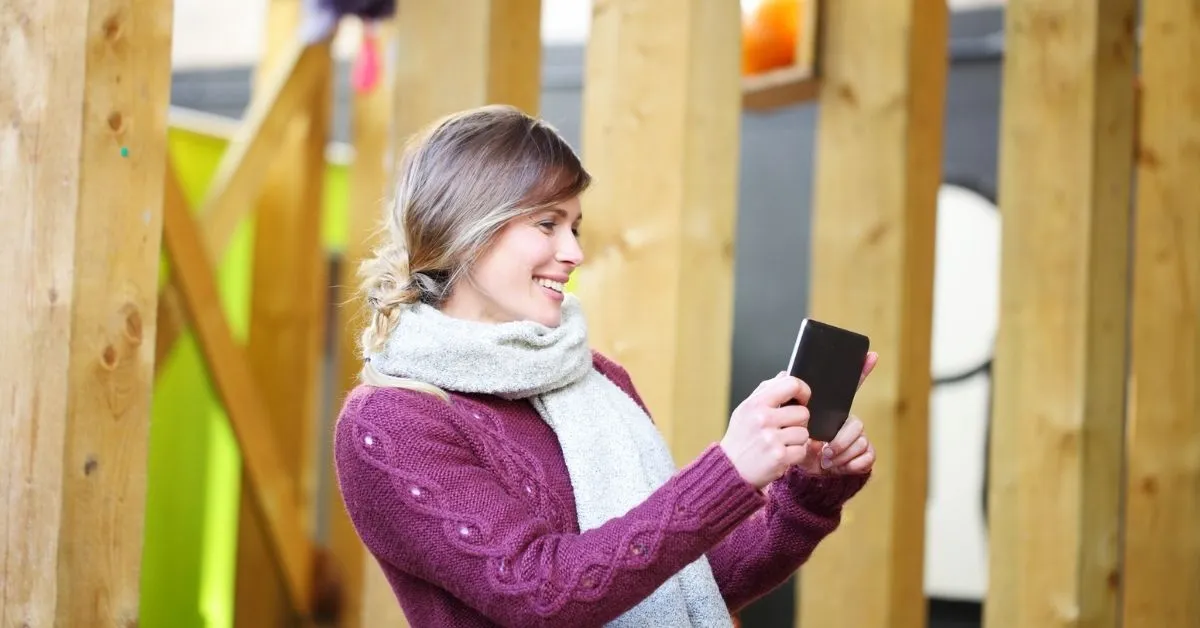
(856, 449)
(794, 436)
(861, 464)
(851, 430)
(778, 391)
(788, 416)
(795, 444)
(868, 366)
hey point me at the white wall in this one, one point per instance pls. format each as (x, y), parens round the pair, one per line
(965, 318)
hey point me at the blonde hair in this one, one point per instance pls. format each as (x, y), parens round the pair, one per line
(460, 181)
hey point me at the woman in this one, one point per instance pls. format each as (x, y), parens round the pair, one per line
(503, 473)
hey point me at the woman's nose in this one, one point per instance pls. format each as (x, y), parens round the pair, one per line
(569, 252)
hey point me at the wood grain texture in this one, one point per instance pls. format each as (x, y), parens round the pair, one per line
(661, 123)
(82, 146)
(878, 169)
(286, 94)
(231, 377)
(1162, 535)
(779, 88)
(1060, 368)
(456, 56)
(369, 193)
(289, 279)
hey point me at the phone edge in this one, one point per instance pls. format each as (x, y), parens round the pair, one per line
(791, 365)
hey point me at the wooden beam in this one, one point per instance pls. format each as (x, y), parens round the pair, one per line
(287, 299)
(369, 194)
(172, 322)
(450, 57)
(779, 88)
(84, 99)
(1162, 537)
(228, 367)
(661, 117)
(287, 92)
(878, 169)
(1066, 145)
(807, 43)
(454, 56)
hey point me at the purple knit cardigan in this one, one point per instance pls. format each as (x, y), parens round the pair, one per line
(468, 508)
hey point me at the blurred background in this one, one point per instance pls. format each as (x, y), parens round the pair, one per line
(192, 509)
(808, 185)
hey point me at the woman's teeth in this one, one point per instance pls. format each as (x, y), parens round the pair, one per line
(553, 285)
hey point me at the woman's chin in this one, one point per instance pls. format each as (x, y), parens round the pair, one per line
(550, 321)
(548, 316)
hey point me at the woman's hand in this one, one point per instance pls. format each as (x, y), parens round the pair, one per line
(764, 436)
(850, 452)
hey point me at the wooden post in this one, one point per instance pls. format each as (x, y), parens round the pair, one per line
(267, 479)
(450, 56)
(284, 95)
(369, 192)
(1162, 536)
(454, 56)
(83, 97)
(878, 169)
(806, 40)
(661, 118)
(286, 321)
(1065, 178)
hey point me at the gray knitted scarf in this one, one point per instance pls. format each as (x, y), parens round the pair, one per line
(614, 454)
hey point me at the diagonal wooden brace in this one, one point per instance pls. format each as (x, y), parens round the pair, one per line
(238, 180)
(234, 383)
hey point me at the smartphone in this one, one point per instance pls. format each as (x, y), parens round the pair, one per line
(830, 360)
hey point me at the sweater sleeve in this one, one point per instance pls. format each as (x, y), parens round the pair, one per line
(423, 502)
(767, 548)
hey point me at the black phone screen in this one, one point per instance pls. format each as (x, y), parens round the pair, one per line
(830, 360)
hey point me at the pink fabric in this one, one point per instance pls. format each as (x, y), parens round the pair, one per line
(468, 508)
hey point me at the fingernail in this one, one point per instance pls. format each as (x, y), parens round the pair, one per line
(827, 452)
(826, 463)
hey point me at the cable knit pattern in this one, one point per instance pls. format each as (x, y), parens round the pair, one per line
(469, 510)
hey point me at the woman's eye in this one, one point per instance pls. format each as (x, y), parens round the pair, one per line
(547, 226)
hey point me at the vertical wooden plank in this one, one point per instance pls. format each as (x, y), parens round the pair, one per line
(448, 57)
(1162, 536)
(1057, 435)
(661, 119)
(807, 33)
(82, 152)
(370, 121)
(286, 317)
(454, 56)
(878, 168)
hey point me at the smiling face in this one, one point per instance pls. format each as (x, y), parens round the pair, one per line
(521, 275)
(482, 225)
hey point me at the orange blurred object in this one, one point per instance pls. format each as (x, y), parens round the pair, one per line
(769, 35)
